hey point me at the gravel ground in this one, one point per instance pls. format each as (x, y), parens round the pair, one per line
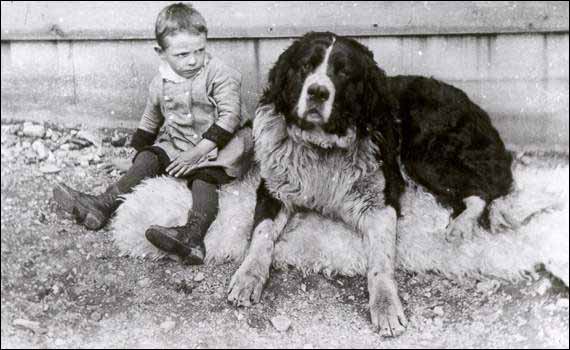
(63, 286)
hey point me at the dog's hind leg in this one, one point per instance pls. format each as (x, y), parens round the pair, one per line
(270, 219)
(464, 225)
(386, 311)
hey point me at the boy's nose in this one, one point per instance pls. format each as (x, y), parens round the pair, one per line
(191, 61)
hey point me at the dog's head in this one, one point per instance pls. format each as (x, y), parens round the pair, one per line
(330, 88)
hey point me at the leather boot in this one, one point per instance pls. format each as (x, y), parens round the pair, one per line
(93, 212)
(185, 241)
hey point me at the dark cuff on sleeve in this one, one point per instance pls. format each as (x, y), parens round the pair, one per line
(218, 135)
(142, 139)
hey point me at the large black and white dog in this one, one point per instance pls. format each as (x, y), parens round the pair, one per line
(327, 122)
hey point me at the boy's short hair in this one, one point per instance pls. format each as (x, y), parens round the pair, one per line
(178, 18)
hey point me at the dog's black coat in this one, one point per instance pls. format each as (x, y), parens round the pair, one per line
(444, 140)
(449, 144)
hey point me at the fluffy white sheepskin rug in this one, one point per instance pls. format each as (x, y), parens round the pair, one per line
(537, 213)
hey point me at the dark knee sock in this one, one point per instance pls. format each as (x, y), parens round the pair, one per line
(145, 165)
(205, 203)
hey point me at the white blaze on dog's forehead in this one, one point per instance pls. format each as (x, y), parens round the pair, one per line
(320, 77)
(324, 65)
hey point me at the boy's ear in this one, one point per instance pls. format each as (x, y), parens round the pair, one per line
(158, 50)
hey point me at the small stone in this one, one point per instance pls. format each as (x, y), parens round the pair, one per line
(199, 277)
(56, 289)
(84, 161)
(351, 297)
(96, 316)
(79, 142)
(167, 326)
(41, 150)
(281, 323)
(488, 287)
(145, 282)
(92, 138)
(59, 342)
(50, 168)
(303, 287)
(33, 130)
(118, 141)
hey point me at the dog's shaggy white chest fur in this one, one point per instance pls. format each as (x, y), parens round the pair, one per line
(303, 175)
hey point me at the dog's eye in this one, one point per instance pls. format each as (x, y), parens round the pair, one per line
(343, 73)
(306, 67)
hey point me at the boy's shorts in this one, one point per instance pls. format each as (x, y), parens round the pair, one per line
(214, 175)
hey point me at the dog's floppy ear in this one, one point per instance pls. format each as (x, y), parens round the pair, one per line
(380, 108)
(276, 92)
(382, 125)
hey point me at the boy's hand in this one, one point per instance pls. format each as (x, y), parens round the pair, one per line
(182, 164)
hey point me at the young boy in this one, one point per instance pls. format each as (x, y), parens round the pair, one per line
(195, 98)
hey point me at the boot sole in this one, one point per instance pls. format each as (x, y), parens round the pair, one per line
(171, 245)
(92, 222)
(66, 200)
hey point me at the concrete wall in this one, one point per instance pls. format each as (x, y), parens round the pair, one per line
(91, 62)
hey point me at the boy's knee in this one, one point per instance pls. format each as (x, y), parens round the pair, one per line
(147, 159)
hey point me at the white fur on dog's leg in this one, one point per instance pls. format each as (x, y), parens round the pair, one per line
(246, 285)
(386, 311)
(463, 226)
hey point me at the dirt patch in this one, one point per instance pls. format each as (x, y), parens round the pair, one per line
(63, 286)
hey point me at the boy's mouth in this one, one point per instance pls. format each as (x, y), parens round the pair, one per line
(190, 72)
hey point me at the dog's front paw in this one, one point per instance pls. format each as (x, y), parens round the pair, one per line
(247, 283)
(461, 228)
(387, 315)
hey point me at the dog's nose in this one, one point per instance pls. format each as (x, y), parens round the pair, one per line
(318, 92)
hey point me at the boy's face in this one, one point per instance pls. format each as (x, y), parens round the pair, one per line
(185, 52)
